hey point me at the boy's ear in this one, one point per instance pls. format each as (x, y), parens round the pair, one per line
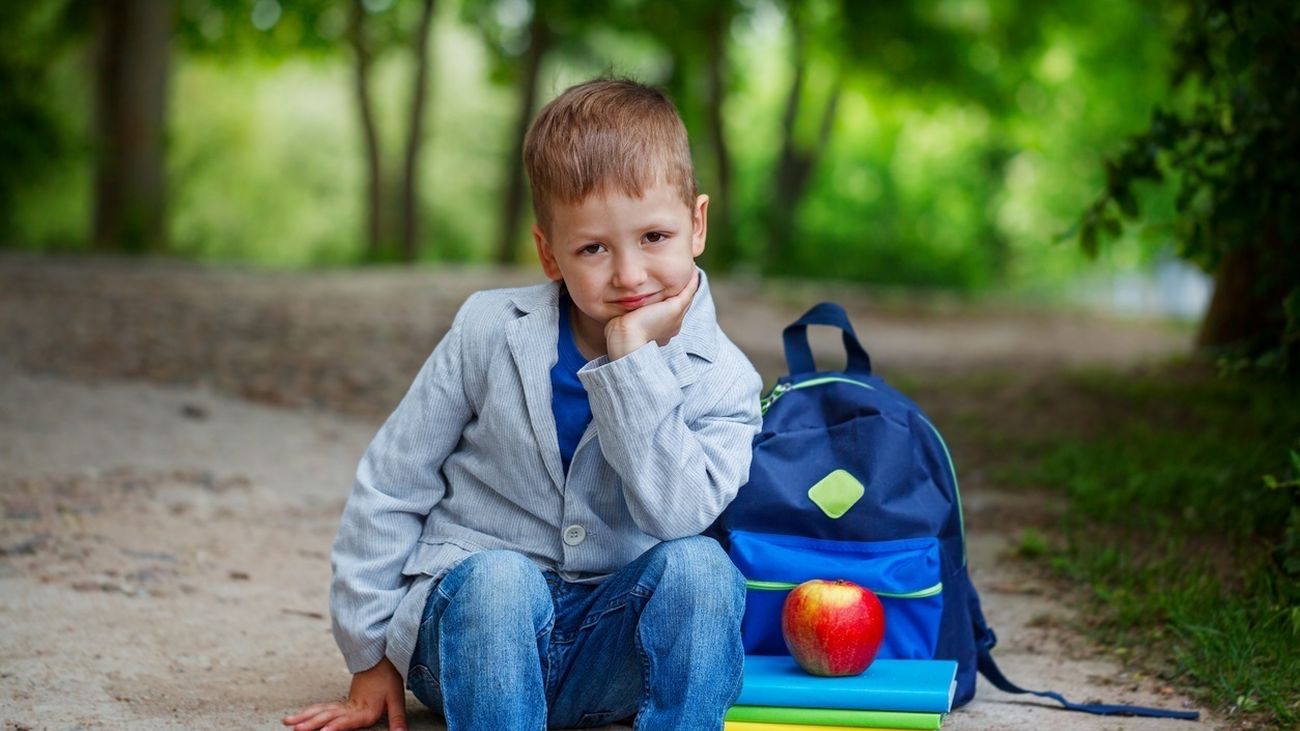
(699, 224)
(545, 255)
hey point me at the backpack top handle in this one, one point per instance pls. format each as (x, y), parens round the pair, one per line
(798, 354)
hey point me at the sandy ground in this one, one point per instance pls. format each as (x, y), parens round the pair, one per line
(165, 530)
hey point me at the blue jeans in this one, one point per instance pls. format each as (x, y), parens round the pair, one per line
(505, 645)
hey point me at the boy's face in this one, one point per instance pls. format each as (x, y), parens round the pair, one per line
(616, 254)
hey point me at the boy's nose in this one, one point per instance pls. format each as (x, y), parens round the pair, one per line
(629, 272)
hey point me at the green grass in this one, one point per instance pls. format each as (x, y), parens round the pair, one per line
(1184, 524)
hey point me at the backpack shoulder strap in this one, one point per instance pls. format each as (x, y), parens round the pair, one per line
(989, 670)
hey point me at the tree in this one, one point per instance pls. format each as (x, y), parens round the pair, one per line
(519, 47)
(797, 160)
(370, 29)
(717, 22)
(1233, 155)
(410, 245)
(132, 62)
(363, 58)
(695, 32)
(909, 49)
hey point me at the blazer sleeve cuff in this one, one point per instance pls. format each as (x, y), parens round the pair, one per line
(363, 655)
(637, 384)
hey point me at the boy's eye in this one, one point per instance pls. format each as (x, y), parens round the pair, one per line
(591, 249)
(655, 237)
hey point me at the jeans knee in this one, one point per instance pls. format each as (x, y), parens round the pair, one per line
(696, 569)
(497, 588)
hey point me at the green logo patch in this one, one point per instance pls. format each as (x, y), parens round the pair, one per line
(836, 493)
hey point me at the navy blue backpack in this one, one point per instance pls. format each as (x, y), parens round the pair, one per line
(850, 480)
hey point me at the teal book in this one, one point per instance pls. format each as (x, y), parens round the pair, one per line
(837, 717)
(911, 686)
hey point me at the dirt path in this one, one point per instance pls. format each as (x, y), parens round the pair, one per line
(176, 445)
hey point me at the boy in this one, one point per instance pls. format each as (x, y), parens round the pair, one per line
(521, 542)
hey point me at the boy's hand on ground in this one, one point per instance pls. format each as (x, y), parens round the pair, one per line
(658, 322)
(374, 692)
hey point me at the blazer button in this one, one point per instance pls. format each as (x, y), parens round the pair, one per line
(574, 534)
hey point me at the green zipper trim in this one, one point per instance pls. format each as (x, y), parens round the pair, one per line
(952, 469)
(780, 390)
(786, 586)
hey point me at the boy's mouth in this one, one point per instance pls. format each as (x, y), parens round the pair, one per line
(635, 301)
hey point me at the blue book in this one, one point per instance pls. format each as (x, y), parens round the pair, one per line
(915, 686)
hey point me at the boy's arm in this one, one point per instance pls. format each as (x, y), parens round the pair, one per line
(677, 476)
(398, 483)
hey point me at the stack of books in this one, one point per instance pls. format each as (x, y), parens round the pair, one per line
(778, 695)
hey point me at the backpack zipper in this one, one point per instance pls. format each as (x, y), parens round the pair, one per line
(781, 389)
(786, 586)
(777, 391)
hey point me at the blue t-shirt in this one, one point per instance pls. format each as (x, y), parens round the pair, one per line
(568, 398)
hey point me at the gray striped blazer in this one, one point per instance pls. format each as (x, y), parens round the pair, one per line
(469, 461)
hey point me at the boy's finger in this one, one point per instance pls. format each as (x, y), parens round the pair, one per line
(311, 710)
(307, 712)
(396, 713)
(350, 720)
(688, 292)
(320, 719)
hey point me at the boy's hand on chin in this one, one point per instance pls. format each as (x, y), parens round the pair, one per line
(659, 322)
(374, 692)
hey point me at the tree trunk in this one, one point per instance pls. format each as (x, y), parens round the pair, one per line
(721, 235)
(410, 199)
(795, 165)
(1247, 306)
(374, 169)
(133, 49)
(539, 41)
(780, 216)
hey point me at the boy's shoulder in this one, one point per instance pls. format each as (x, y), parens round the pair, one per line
(524, 299)
(487, 311)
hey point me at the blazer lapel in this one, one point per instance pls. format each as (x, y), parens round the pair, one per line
(532, 346)
(698, 336)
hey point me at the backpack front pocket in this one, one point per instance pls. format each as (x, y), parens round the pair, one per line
(905, 574)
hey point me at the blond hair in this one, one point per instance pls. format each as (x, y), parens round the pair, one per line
(603, 136)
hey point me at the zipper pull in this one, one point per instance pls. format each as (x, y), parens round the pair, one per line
(777, 391)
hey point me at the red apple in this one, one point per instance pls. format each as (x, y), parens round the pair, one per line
(832, 627)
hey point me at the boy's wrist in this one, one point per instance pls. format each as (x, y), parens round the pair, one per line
(617, 347)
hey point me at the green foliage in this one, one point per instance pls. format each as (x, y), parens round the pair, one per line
(964, 136)
(1232, 646)
(272, 30)
(1287, 552)
(32, 136)
(1231, 147)
(1184, 521)
(1032, 544)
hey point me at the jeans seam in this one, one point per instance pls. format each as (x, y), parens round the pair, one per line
(645, 672)
(593, 621)
(442, 664)
(548, 662)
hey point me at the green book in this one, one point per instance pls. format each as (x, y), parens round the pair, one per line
(836, 717)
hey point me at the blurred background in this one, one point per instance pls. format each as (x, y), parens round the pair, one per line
(232, 230)
(973, 146)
